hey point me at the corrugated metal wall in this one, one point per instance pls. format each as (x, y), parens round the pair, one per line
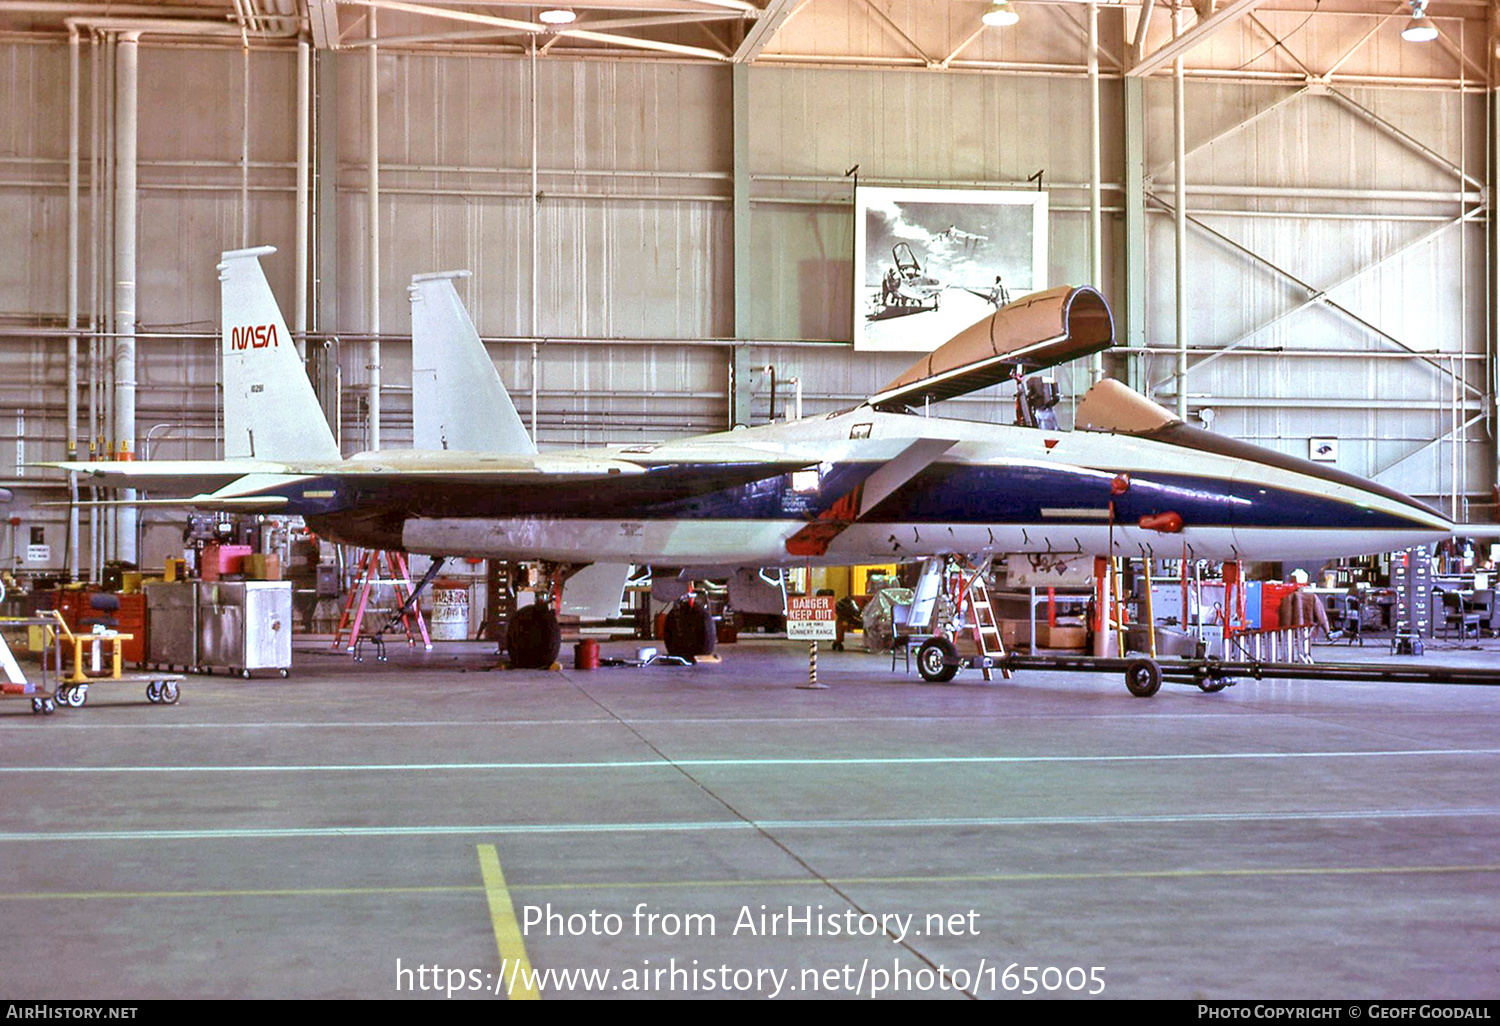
(635, 235)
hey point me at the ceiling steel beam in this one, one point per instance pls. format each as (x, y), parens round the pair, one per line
(1167, 52)
(776, 14)
(455, 15)
(323, 23)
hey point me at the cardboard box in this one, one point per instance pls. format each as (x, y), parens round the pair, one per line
(1065, 636)
(262, 567)
(1015, 633)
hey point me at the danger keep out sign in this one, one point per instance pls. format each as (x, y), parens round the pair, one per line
(810, 618)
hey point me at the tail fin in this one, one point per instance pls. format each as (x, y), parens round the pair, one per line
(270, 411)
(458, 400)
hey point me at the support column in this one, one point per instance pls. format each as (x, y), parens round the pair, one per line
(304, 117)
(325, 263)
(739, 359)
(536, 296)
(1135, 229)
(1096, 220)
(1179, 135)
(126, 70)
(72, 386)
(1493, 385)
(373, 390)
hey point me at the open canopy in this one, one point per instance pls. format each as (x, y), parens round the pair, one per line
(1037, 331)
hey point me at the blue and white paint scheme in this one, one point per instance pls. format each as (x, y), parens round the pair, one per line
(871, 484)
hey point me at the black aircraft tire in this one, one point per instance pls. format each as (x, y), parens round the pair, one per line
(1143, 677)
(937, 661)
(533, 638)
(689, 631)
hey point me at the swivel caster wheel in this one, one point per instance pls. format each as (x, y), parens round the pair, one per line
(285, 673)
(75, 696)
(169, 693)
(153, 692)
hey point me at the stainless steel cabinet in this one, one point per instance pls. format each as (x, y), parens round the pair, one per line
(244, 626)
(172, 617)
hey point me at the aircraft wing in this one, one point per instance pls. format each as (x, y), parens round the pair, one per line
(165, 475)
(408, 479)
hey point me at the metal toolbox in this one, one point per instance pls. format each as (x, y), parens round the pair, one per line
(172, 620)
(245, 626)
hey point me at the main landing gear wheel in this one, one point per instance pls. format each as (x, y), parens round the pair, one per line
(1143, 677)
(533, 638)
(689, 630)
(937, 661)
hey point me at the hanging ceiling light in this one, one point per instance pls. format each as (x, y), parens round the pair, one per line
(557, 16)
(1000, 14)
(1420, 29)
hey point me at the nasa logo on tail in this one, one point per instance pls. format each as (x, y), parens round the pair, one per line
(258, 336)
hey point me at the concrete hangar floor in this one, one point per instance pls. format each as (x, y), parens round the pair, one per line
(280, 838)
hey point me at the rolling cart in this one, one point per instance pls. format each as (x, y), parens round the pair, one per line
(44, 698)
(73, 690)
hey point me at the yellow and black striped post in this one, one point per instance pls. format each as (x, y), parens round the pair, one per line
(812, 670)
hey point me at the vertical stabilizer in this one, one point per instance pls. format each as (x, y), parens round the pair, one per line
(270, 411)
(458, 400)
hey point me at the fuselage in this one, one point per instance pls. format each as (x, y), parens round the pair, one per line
(997, 489)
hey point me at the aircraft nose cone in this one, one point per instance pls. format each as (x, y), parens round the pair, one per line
(1287, 507)
(1329, 512)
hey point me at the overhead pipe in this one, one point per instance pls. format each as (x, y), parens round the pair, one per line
(1096, 221)
(373, 393)
(127, 71)
(1180, 220)
(304, 120)
(72, 386)
(117, 425)
(94, 271)
(242, 16)
(106, 293)
(535, 249)
(154, 26)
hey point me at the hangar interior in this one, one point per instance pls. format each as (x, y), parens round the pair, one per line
(1287, 205)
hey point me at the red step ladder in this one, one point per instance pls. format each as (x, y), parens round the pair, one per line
(355, 605)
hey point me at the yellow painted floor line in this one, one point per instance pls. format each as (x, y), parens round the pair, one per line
(515, 967)
(504, 889)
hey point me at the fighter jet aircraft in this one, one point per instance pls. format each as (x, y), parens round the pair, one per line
(873, 483)
(957, 234)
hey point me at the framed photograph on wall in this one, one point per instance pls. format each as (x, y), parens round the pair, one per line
(930, 262)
